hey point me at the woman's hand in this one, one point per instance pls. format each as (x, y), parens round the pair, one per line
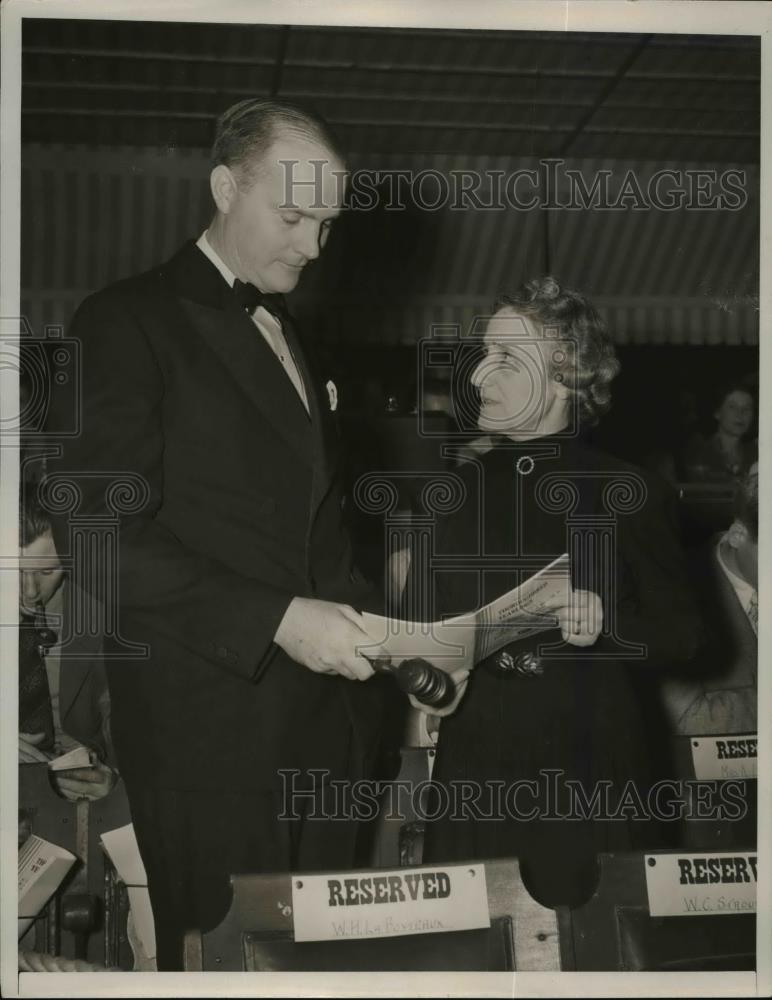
(581, 619)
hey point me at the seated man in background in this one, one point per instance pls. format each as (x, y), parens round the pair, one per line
(63, 701)
(719, 696)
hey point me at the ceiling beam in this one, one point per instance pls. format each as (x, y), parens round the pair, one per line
(605, 93)
(130, 87)
(281, 55)
(401, 124)
(391, 67)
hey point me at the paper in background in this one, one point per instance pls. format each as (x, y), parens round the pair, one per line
(122, 849)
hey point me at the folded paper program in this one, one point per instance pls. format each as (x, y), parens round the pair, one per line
(463, 641)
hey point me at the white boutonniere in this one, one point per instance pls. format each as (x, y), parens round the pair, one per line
(332, 392)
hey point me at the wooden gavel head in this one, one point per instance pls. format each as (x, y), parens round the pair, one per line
(425, 682)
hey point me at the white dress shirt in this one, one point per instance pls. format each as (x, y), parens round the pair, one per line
(746, 594)
(268, 325)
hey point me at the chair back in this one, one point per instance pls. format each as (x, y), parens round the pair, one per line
(258, 933)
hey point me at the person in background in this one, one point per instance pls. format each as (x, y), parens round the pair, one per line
(63, 700)
(727, 454)
(718, 695)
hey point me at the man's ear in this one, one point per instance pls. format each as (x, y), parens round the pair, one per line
(224, 188)
(737, 535)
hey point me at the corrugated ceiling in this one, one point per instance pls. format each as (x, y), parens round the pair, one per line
(681, 97)
(118, 116)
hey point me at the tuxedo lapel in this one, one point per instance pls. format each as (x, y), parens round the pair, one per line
(232, 335)
(211, 308)
(325, 449)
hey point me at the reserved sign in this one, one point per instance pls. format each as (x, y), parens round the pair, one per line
(717, 757)
(682, 885)
(389, 903)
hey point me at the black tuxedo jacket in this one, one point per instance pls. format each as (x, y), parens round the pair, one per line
(244, 511)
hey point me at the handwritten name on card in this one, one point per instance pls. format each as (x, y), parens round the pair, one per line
(680, 885)
(389, 903)
(720, 757)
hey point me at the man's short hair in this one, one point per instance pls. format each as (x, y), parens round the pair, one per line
(247, 130)
(35, 521)
(746, 503)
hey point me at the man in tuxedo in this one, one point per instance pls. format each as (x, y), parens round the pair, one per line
(235, 569)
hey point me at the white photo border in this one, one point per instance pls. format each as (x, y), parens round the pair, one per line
(722, 17)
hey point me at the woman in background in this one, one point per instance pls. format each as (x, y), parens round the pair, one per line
(727, 454)
(527, 716)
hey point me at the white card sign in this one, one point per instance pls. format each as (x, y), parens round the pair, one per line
(689, 884)
(719, 757)
(389, 903)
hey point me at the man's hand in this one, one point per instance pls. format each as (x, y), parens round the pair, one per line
(460, 678)
(29, 752)
(581, 619)
(85, 782)
(324, 637)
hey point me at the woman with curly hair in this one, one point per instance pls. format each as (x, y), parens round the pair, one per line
(544, 754)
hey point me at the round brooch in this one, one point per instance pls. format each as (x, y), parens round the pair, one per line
(525, 465)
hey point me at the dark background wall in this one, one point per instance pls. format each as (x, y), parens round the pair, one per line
(117, 118)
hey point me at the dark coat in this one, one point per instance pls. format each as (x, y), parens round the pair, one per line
(244, 511)
(591, 714)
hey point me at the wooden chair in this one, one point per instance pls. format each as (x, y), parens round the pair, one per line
(78, 922)
(257, 934)
(701, 834)
(614, 931)
(45, 814)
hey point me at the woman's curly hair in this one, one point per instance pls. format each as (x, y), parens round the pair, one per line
(567, 316)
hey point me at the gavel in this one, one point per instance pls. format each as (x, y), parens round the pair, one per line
(427, 683)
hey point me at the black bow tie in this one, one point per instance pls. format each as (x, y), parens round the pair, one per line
(250, 298)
